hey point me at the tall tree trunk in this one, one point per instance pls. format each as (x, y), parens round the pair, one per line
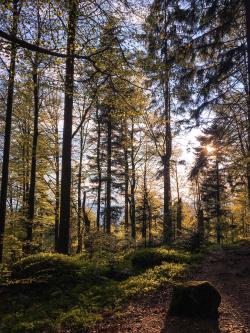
(179, 204)
(145, 205)
(179, 217)
(109, 179)
(126, 176)
(105, 208)
(28, 160)
(132, 186)
(7, 132)
(150, 235)
(79, 201)
(23, 177)
(167, 219)
(247, 8)
(65, 206)
(201, 231)
(85, 215)
(87, 242)
(99, 171)
(200, 215)
(57, 192)
(218, 203)
(31, 197)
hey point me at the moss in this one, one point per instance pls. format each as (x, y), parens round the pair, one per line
(51, 292)
(150, 257)
(153, 278)
(78, 320)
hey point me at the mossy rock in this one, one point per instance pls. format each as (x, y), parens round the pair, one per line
(195, 299)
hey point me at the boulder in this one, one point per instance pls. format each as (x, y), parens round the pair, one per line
(195, 299)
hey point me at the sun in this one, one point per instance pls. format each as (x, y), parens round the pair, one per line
(210, 148)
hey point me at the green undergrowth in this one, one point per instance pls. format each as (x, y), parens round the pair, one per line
(52, 293)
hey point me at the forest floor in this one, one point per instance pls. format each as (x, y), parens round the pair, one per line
(228, 269)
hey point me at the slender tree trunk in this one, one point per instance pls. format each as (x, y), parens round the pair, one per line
(99, 172)
(150, 236)
(105, 208)
(201, 231)
(179, 204)
(57, 192)
(85, 215)
(23, 177)
(126, 197)
(218, 204)
(247, 8)
(7, 132)
(87, 242)
(109, 179)
(64, 227)
(168, 232)
(11, 197)
(167, 219)
(32, 187)
(179, 217)
(145, 205)
(79, 201)
(132, 204)
(28, 161)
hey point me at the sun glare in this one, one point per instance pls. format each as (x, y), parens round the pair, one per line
(210, 148)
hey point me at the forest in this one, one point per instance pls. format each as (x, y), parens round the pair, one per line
(125, 165)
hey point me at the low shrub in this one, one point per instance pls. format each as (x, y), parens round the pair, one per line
(152, 279)
(150, 257)
(46, 267)
(57, 269)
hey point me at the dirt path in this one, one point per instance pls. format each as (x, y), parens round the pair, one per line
(228, 270)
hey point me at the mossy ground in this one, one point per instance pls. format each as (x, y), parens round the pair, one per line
(50, 292)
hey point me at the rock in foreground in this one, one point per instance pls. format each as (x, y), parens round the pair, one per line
(195, 299)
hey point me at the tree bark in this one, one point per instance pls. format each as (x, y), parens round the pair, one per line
(126, 176)
(109, 179)
(7, 132)
(201, 231)
(167, 219)
(150, 235)
(79, 201)
(85, 215)
(57, 192)
(145, 205)
(179, 204)
(31, 197)
(218, 203)
(64, 227)
(247, 10)
(133, 182)
(87, 242)
(99, 172)
(179, 217)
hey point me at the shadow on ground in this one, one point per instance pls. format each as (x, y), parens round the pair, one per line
(190, 325)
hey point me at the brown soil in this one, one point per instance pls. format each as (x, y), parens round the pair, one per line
(228, 270)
